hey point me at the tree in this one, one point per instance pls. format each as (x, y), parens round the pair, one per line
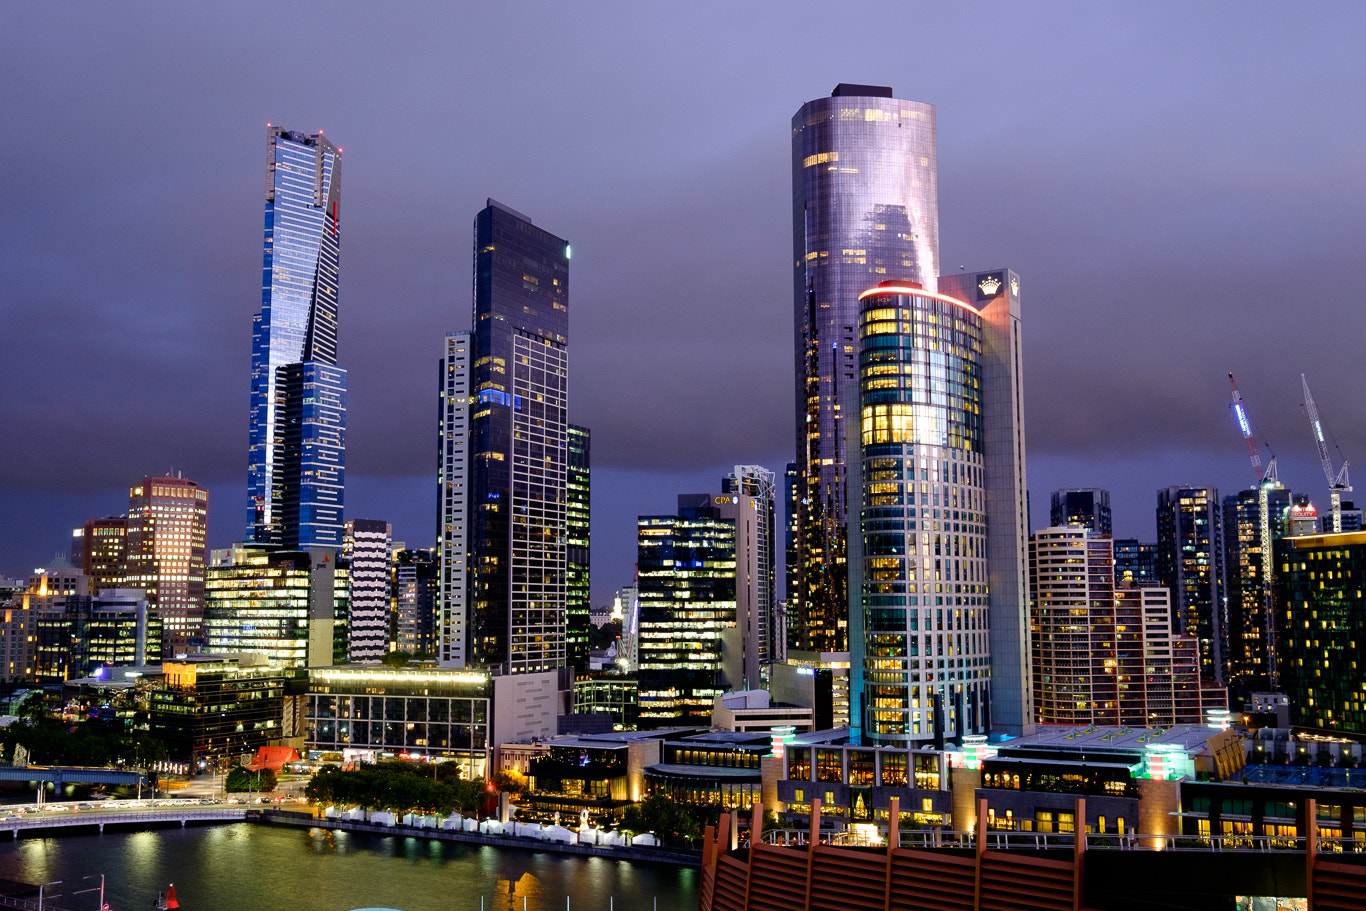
(243, 779)
(396, 659)
(510, 780)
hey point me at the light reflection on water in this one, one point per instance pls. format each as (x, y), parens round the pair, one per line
(252, 867)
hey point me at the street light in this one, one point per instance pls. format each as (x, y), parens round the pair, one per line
(103, 906)
(41, 887)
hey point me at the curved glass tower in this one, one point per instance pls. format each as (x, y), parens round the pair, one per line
(864, 209)
(295, 464)
(922, 542)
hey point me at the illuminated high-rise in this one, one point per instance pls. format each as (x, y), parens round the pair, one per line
(1190, 563)
(518, 445)
(578, 591)
(295, 464)
(166, 555)
(939, 631)
(864, 209)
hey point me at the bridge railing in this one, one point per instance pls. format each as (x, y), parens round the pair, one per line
(1005, 840)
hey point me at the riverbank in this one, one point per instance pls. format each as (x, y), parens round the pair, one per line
(671, 856)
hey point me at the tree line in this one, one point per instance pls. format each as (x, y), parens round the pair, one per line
(399, 787)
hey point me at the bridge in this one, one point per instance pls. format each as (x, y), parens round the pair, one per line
(136, 819)
(60, 775)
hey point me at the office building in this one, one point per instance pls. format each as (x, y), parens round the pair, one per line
(413, 589)
(699, 591)
(940, 635)
(365, 551)
(1085, 506)
(1190, 565)
(167, 527)
(761, 484)
(296, 456)
(453, 480)
(864, 209)
(578, 593)
(1135, 562)
(289, 606)
(1104, 653)
(75, 636)
(213, 708)
(1322, 624)
(1250, 636)
(518, 445)
(99, 548)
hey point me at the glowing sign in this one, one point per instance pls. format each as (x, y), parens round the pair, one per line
(989, 285)
(975, 750)
(1015, 287)
(1242, 419)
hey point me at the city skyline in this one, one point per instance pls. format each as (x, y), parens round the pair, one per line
(1160, 242)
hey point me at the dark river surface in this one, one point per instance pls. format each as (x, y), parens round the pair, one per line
(246, 867)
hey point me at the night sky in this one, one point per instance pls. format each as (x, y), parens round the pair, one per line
(1180, 186)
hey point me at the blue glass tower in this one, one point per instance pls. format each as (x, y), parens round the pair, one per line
(296, 461)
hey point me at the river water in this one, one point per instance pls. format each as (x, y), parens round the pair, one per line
(246, 867)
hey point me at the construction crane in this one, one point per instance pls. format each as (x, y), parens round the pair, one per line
(1337, 484)
(1266, 481)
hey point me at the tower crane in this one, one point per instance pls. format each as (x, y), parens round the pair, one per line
(1266, 481)
(1337, 484)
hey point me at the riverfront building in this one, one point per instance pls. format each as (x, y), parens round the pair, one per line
(939, 647)
(296, 459)
(516, 498)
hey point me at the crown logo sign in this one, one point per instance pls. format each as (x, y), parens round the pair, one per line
(1015, 287)
(989, 285)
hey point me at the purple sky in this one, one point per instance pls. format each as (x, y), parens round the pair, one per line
(1180, 186)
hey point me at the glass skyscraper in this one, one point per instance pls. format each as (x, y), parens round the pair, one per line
(295, 465)
(518, 444)
(864, 209)
(578, 591)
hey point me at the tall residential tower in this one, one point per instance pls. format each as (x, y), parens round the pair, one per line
(295, 464)
(864, 209)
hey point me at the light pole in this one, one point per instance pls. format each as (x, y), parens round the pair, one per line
(41, 887)
(102, 906)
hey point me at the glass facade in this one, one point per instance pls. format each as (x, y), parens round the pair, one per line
(453, 485)
(864, 209)
(922, 634)
(578, 593)
(1190, 563)
(440, 714)
(295, 463)
(685, 567)
(1248, 633)
(519, 440)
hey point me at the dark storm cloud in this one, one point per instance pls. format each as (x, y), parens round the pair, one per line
(1179, 187)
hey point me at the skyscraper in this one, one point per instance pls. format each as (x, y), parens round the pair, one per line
(1190, 563)
(453, 488)
(699, 589)
(295, 464)
(760, 622)
(939, 617)
(518, 444)
(1249, 635)
(167, 525)
(366, 549)
(578, 591)
(1086, 506)
(864, 209)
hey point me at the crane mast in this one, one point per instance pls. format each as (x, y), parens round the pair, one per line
(1265, 481)
(1339, 483)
